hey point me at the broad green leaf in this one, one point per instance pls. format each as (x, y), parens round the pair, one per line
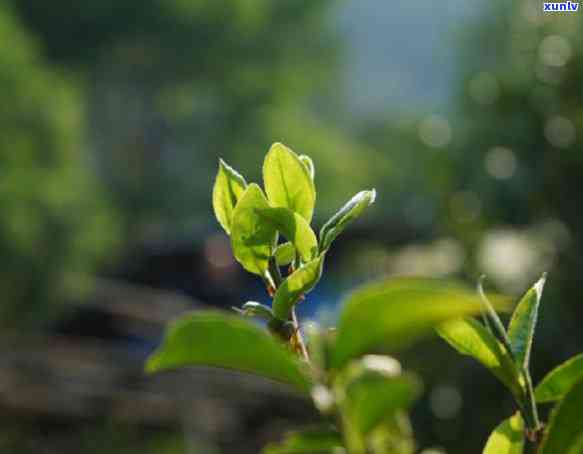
(252, 239)
(307, 161)
(558, 381)
(471, 338)
(349, 212)
(294, 228)
(565, 427)
(507, 438)
(300, 282)
(393, 314)
(310, 441)
(373, 397)
(209, 338)
(523, 323)
(287, 181)
(285, 254)
(228, 189)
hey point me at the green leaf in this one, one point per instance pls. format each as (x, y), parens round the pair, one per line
(228, 189)
(252, 239)
(308, 441)
(349, 212)
(523, 323)
(307, 161)
(374, 397)
(254, 309)
(287, 181)
(209, 338)
(507, 438)
(565, 427)
(294, 228)
(558, 381)
(393, 314)
(285, 254)
(300, 282)
(470, 338)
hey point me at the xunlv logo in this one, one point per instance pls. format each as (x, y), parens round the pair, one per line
(560, 6)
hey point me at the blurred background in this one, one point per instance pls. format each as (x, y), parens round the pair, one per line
(466, 117)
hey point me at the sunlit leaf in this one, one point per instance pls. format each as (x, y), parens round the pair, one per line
(523, 323)
(565, 427)
(208, 338)
(471, 338)
(309, 441)
(252, 239)
(392, 314)
(349, 212)
(558, 381)
(287, 181)
(294, 228)
(300, 282)
(228, 189)
(507, 438)
(285, 253)
(373, 397)
(307, 161)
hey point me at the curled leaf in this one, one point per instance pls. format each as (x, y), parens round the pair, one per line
(227, 190)
(348, 213)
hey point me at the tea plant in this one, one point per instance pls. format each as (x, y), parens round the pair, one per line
(363, 395)
(506, 353)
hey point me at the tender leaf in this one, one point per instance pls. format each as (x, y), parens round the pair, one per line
(209, 338)
(565, 427)
(507, 438)
(252, 239)
(349, 212)
(558, 381)
(300, 282)
(373, 397)
(470, 338)
(392, 314)
(285, 254)
(294, 228)
(311, 441)
(523, 323)
(287, 181)
(228, 189)
(307, 161)
(254, 309)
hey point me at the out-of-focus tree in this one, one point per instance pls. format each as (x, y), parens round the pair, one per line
(54, 225)
(174, 84)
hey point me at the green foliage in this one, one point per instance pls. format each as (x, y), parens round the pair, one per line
(523, 323)
(392, 315)
(294, 228)
(557, 382)
(470, 338)
(308, 441)
(297, 284)
(285, 253)
(365, 397)
(348, 213)
(252, 239)
(209, 338)
(56, 225)
(565, 429)
(507, 438)
(288, 183)
(228, 189)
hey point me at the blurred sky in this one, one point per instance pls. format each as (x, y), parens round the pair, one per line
(402, 55)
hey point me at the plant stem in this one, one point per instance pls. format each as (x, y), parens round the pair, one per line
(298, 336)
